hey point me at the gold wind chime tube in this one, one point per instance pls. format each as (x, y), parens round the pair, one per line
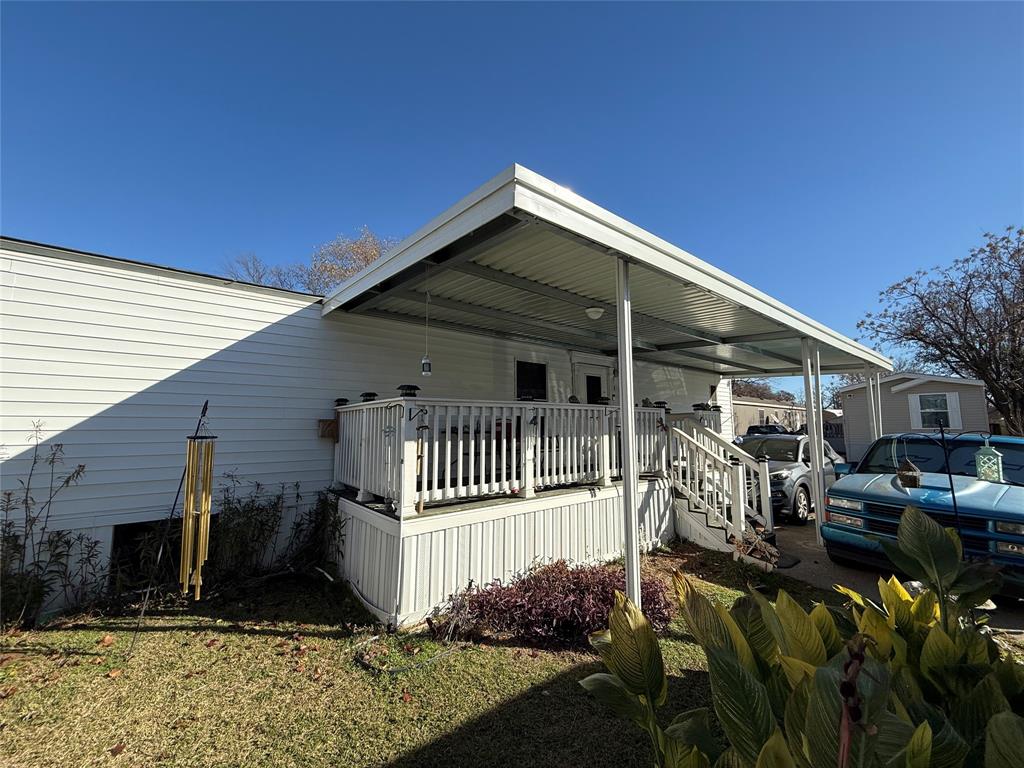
(195, 521)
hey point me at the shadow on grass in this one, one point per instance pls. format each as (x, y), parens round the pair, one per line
(276, 608)
(556, 724)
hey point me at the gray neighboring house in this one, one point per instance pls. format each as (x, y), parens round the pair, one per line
(913, 402)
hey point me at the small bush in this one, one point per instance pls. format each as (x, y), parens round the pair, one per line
(549, 605)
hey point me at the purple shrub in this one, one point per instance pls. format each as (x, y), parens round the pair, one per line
(556, 605)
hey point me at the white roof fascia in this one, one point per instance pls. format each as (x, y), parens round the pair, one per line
(562, 207)
(479, 207)
(915, 380)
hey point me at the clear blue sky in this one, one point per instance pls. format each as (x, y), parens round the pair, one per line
(818, 151)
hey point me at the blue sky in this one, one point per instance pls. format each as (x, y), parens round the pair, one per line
(818, 151)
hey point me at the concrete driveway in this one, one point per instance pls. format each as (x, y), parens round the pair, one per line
(815, 568)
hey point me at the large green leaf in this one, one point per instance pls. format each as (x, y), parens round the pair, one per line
(925, 608)
(874, 625)
(1004, 741)
(775, 753)
(893, 736)
(937, 655)
(897, 603)
(710, 624)
(795, 720)
(746, 611)
(634, 652)
(730, 759)
(1010, 674)
(773, 623)
(679, 755)
(692, 727)
(802, 639)
(918, 753)
(826, 626)
(924, 540)
(609, 690)
(741, 703)
(972, 713)
(824, 713)
(949, 750)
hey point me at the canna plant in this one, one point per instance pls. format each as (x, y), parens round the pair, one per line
(907, 682)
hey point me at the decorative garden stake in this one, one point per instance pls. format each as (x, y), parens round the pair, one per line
(989, 463)
(195, 513)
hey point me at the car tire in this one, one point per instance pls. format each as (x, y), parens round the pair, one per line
(801, 510)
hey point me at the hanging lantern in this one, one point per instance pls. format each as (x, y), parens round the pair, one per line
(989, 463)
(425, 367)
(195, 513)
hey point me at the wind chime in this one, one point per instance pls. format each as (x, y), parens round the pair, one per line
(195, 513)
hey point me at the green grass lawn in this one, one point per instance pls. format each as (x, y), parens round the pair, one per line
(271, 679)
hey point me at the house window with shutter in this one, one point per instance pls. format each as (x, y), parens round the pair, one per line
(928, 411)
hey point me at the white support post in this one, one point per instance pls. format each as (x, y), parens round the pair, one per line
(605, 442)
(812, 411)
(764, 488)
(628, 427)
(873, 420)
(528, 452)
(818, 446)
(878, 403)
(407, 497)
(739, 498)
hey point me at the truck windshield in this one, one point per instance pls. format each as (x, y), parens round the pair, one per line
(885, 456)
(776, 449)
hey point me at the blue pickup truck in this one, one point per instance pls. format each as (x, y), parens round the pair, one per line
(869, 499)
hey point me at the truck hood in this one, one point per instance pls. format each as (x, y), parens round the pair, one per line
(973, 496)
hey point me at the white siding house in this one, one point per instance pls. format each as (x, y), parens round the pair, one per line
(531, 290)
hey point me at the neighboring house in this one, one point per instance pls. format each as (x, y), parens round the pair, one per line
(515, 449)
(912, 402)
(748, 411)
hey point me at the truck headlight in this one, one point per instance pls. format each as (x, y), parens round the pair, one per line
(835, 517)
(839, 501)
(1009, 548)
(1015, 528)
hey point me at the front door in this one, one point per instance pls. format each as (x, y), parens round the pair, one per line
(592, 383)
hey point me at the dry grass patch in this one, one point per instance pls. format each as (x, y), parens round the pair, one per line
(273, 679)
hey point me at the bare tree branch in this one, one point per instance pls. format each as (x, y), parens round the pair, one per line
(966, 319)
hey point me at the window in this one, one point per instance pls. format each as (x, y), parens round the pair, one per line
(928, 411)
(926, 453)
(531, 381)
(805, 453)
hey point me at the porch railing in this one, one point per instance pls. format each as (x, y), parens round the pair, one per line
(719, 478)
(412, 451)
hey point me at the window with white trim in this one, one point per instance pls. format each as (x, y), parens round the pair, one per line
(929, 410)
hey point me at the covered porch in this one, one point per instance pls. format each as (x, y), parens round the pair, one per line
(523, 260)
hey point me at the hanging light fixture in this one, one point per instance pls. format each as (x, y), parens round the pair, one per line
(425, 367)
(594, 313)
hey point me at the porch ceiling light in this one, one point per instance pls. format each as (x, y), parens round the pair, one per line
(594, 313)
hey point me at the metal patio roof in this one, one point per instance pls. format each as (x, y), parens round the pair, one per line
(522, 258)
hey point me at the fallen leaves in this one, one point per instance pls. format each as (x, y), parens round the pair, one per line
(117, 749)
(106, 641)
(115, 673)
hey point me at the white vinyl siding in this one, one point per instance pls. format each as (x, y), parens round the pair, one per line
(116, 360)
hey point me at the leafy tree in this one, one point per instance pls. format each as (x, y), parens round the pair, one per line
(328, 266)
(760, 388)
(966, 319)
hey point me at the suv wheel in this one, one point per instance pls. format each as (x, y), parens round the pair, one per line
(801, 505)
